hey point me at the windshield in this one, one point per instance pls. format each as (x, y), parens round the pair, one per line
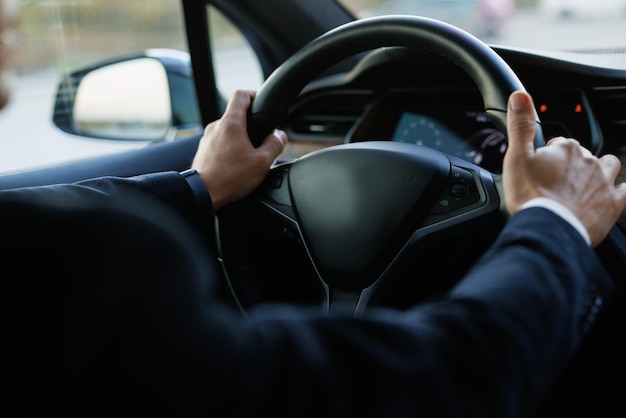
(545, 24)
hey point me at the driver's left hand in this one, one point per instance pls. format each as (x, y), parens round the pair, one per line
(228, 163)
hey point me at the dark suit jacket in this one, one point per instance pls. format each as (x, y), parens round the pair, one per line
(112, 308)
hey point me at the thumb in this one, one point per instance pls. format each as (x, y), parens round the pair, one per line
(274, 144)
(521, 124)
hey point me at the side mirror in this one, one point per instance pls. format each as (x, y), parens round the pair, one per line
(145, 97)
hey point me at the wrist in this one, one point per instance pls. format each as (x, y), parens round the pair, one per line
(200, 191)
(562, 211)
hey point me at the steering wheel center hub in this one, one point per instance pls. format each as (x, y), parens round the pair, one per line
(359, 204)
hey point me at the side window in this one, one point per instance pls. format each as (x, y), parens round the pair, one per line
(236, 65)
(58, 37)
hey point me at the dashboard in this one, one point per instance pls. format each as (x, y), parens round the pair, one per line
(456, 123)
(414, 96)
(422, 99)
(464, 130)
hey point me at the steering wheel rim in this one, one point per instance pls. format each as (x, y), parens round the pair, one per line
(495, 81)
(493, 77)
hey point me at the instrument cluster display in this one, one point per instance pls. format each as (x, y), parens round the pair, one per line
(484, 146)
(455, 123)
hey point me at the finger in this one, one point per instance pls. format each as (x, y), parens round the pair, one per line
(572, 147)
(274, 143)
(572, 143)
(586, 153)
(620, 190)
(238, 104)
(611, 166)
(560, 139)
(521, 124)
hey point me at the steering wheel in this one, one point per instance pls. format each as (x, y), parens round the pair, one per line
(360, 210)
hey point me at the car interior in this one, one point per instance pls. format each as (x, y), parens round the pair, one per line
(366, 103)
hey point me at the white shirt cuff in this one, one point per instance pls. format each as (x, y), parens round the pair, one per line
(560, 210)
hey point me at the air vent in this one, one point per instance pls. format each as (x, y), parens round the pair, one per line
(612, 110)
(328, 117)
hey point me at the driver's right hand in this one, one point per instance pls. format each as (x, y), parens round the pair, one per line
(563, 171)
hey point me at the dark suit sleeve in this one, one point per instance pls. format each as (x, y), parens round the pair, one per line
(489, 348)
(170, 188)
(116, 309)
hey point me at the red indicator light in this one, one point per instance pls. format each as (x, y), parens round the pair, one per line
(543, 108)
(578, 108)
